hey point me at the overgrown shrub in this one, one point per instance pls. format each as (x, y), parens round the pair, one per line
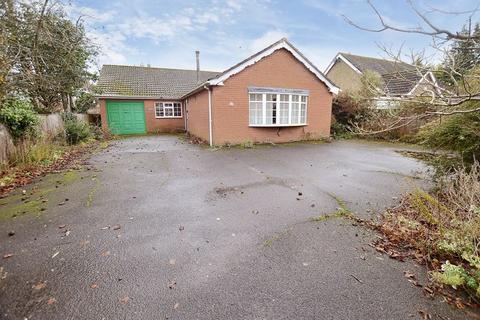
(444, 226)
(348, 112)
(76, 131)
(84, 102)
(19, 117)
(459, 133)
(40, 153)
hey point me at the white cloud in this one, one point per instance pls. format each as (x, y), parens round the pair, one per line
(89, 15)
(267, 39)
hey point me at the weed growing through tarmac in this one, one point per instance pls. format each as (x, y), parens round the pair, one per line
(342, 211)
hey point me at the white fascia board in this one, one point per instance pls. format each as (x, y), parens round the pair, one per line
(281, 45)
(339, 56)
(432, 78)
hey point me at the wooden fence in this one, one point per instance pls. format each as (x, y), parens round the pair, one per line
(50, 126)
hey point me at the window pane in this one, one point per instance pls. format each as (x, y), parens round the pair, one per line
(159, 109)
(271, 109)
(168, 111)
(303, 113)
(271, 97)
(255, 112)
(295, 112)
(177, 109)
(304, 98)
(255, 97)
(295, 98)
(283, 113)
(284, 97)
(255, 108)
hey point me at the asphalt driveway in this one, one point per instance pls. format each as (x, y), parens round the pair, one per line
(155, 228)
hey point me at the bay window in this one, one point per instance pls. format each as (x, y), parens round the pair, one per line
(168, 110)
(277, 107)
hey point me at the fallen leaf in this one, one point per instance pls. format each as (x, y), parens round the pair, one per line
(408, 274)
(51, 300)
(125, 300)
(62, 226)
(172, 261)
(94, 286)
(116, 227)
(106, 253)
(105, 228)
(181, 228)
(176, 305)
(8, 255)
(40, 285)
(459, 304)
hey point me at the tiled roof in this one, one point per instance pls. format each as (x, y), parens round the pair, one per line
(400, 83)
(117, 80)
(381, 66)
(399, 77)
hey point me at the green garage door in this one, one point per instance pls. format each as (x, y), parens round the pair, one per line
(126, 117)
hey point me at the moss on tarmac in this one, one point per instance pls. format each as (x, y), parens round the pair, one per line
(35, 198)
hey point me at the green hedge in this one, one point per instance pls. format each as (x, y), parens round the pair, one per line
(19, 117)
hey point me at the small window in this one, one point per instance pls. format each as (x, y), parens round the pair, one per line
(168, 110)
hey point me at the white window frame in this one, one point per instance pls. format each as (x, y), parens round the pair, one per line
(264, 108)
(171, 106)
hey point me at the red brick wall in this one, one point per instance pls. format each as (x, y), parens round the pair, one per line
(197, 108)
(280, 70)
(153, 124)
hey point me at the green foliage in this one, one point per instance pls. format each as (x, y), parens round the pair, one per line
(444, 226)
(19, 117)
(465, 54)
(349, 111)
(84, 102)
(451, 275)
(46, 55)
(372, 85)
(76, 131)
(40, 153)
(459, 133)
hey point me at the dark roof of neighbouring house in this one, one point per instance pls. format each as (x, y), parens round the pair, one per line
(401, 82)
(125, 81)
(381, 66)
(399, 77)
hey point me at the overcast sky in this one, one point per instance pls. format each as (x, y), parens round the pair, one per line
(167, 33)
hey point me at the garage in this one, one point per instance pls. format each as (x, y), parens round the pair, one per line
(126, 117)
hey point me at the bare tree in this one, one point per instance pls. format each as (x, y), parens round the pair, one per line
(457, 86)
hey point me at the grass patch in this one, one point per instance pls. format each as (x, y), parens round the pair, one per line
(342, 211)
(277, 236)
(42, 153)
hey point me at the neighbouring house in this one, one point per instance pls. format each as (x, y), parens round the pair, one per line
(400, 80)
(276, 95)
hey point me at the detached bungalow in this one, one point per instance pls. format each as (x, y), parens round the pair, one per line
(275, 95)
(400, 80)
